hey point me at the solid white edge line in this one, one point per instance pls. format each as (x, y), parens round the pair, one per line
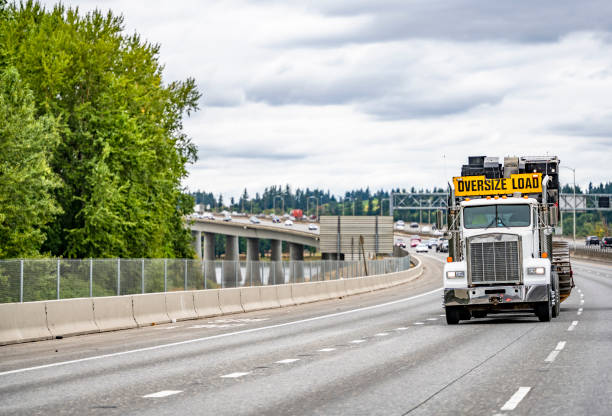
(516, 398)
(551, 357)
(218, 336)
(163, 393)
(560, 346)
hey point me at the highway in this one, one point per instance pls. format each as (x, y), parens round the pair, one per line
(385, 353)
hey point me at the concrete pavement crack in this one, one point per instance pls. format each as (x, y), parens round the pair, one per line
(469, 371)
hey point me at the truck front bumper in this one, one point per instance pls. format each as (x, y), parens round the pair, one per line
(496, 295)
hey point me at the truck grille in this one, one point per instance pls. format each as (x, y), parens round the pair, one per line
(494, 259)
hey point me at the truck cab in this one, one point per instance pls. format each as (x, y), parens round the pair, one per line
(501, 248)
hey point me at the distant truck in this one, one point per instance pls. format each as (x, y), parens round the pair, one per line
(297, 214)
(502, 257)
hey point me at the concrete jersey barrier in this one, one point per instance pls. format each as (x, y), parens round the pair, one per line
(31, 321)
(150, 309)
(23, 322)
(206, 303)
(180, 306)
(71, 317)
(114, 312)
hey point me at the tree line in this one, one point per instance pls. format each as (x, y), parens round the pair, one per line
(93, 148)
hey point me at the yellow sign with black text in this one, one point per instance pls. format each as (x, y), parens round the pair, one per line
(525, 183)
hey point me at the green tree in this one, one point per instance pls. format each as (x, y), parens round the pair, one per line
(26, 180)
(122, 153)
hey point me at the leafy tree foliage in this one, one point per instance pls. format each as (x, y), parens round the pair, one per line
(122, 152)
(26, 180)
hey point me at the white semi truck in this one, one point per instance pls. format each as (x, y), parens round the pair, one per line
(502, 257)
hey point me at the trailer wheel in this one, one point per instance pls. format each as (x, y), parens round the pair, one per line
(543, 311)
(452, 315)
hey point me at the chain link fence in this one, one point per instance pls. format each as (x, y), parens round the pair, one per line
(45, 279)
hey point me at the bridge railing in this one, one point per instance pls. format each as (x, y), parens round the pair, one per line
(26, 280)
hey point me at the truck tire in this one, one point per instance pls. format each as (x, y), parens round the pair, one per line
(556, 309)
(543, 311)
(452, 315)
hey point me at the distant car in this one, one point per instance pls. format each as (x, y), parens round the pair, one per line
(415, 242)
(414, 225)
(275, 219)
(422, 248)
(288, 223)
(313, 227)
(399, 227)
(208, 216)
(442, 247)
(431, 243)
(426, 229)
(592, 240)
(400, 243)
(605, 242)
(255, 220)
(399, 222)
(227, 218)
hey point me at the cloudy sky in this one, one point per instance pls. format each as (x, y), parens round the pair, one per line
(390, 93)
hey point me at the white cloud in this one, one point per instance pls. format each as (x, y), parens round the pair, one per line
(368, 104)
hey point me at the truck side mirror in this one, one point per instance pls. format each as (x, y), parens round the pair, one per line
(553, 214)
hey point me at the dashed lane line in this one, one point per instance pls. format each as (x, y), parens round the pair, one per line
(358, 341)
(381, 334)
(327, 349)
(516, 398)
(572, 326)
(287, 361)
(163, 393)
(551, 357)
(579, 311)
(218, 336)
(401, 328)
(236, 375)
(419, 323)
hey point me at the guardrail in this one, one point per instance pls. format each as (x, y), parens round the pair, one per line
(32, 321)
(28, 280)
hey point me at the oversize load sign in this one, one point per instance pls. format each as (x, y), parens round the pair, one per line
(526, 183)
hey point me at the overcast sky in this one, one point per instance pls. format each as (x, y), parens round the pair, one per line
(348, 94)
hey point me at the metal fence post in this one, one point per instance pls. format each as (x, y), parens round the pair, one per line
(185, 274)
(58, 278)
(142, 275)
(118, 276)
(165, 275)
(21, 281)
(90, 277)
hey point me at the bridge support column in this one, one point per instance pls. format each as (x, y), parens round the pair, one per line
(231, 266)
(296, 252)
(253, 273)
(210, 272)
(197, 242)
(276, 276)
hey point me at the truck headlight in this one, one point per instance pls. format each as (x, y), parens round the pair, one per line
(453, 275)
(535, 270)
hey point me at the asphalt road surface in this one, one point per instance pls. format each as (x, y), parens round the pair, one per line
(384, 353)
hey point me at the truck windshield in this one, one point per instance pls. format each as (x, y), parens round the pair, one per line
(489, 216)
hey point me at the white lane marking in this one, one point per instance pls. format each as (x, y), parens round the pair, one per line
(401, 328)
(225, 335)
(579, 311)
(235, 375)
(582, 302)
(357, 341)
(419, 323)
(170, 327)
(560, 346)
(579, 291)
(381, 334)
(327, 349)
(516, 398)
(443, 315)
(551, 357)
(163, 393)
(432, 319)
(582, 295)
(287, 361)
(572, 326)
